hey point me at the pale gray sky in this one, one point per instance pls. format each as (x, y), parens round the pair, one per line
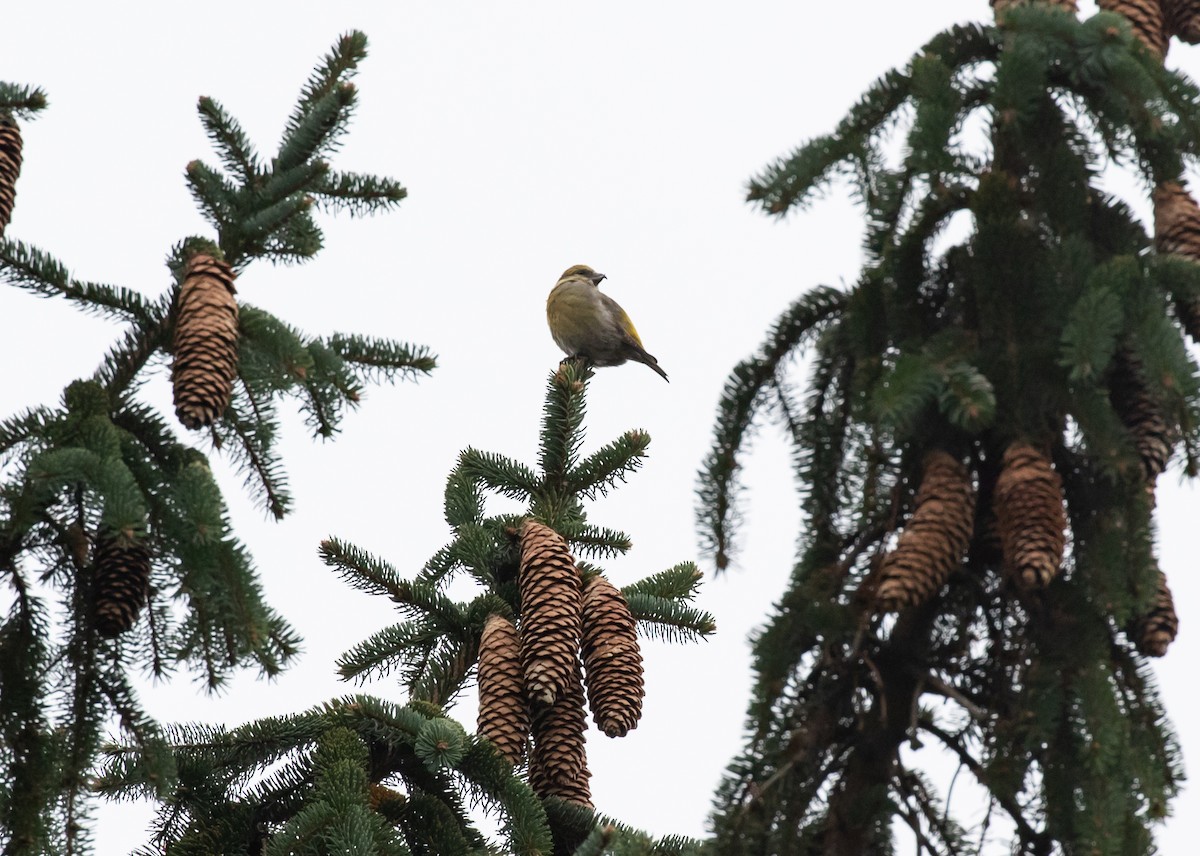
(531, 136)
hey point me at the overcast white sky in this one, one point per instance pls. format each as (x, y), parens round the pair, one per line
(531, 136)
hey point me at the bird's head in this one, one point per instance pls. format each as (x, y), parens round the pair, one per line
(582, 272)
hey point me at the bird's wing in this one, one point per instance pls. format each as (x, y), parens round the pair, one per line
(622, 319)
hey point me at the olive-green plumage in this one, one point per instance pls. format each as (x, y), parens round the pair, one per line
(586, 323)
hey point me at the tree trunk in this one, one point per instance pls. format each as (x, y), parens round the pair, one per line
(859, 813)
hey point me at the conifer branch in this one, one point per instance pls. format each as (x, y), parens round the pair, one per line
(499, 473)
(23, 102)
(1028, 834)
(23, 426)
(358, 194)
(598, 541)
(669, 619)
(742, 396)
(247, 430)
(381, 653)
(125, 360)
(29, 268)
(562, 420)
(315, 132)
(680, 582)
(383, 359)
(232, 145)
(215, 195)
(362, 570)
(603, 469)
(337, 66)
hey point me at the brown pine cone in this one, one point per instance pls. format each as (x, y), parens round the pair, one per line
(381, 798)
(558, 759)
(1156, 630)
(1183, 19)
(1145, 19)
(611, 658)
(550, 611)
(503, 713)
(10, 167)
(936, 538)
(1141, 414)
(1176, 220)
(206, 342)
(1177, 230)
(1028, 501)
(122, 579)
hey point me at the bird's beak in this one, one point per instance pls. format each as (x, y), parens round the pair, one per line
(597, 278)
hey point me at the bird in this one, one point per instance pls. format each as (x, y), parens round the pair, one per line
(589, 324)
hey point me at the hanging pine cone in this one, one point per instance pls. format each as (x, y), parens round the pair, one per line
(550, 605)
(936, 538)
(558, 759)
(503, 714)
(1028, 501)
(385, 800)
(122, 577)
(10, 167)
(1183, 19)
(1141, 414)
(612, 659)
(1176, 220)
(1145, 19)
(1177, 230)
(206, 342)
(1155, 631)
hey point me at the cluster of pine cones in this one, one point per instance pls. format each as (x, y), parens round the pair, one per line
(530, 680)
(1029, 523)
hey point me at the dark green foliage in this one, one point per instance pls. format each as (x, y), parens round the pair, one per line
(1010, 334)
(304, 784)
(21, 102)
(605, 835)
(102, 464)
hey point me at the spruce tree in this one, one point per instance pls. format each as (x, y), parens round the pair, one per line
(364, 775)
(116, 551)
(987, 410)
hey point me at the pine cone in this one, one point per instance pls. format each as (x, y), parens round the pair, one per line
(1141, 414)
(1156, 630)
(1145, 19)
(550, 605)
(1183, 19)
(206, 342)
(1176, 220)
(1177, 230)
(611, 658)
(122, 575)
(503, 714)
(936, 538)
(10, 167)
(1028, 501)
(558, 760)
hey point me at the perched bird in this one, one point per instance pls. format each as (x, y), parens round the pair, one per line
(588, 324)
